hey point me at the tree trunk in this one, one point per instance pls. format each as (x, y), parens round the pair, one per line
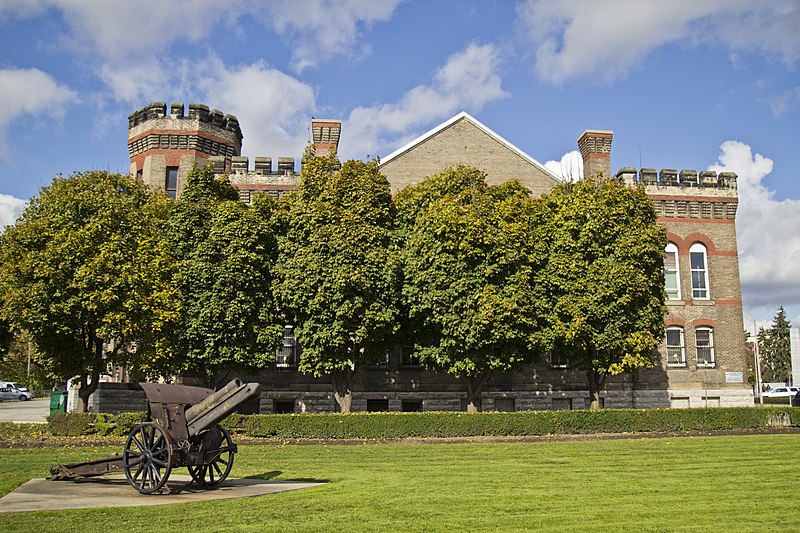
(95, 344)
(342, 380)
(86, 390)
(596, 381)
(475, 386)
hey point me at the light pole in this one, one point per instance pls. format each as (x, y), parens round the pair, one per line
(29, 363)
(757, 357)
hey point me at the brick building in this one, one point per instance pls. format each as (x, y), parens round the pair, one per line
(704, 361)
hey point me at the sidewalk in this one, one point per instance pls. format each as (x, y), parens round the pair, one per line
(114, 491)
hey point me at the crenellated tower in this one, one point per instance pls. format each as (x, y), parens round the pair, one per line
(164, 147)
(703, 354)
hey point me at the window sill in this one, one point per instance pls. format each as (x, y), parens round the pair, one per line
(706, 366)
(702, 302)
(679, 303)
(676, 365)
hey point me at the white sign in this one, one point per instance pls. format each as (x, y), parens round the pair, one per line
(734, 377)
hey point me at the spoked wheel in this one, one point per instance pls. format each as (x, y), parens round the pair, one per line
(217, 450)
(147, 459)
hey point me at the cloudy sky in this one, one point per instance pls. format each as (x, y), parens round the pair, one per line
(683, 84)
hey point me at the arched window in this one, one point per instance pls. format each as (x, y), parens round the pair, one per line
(699, 264)
(676, 350)
(672, 281)
(704, 341)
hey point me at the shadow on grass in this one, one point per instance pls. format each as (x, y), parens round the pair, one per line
(275, 473)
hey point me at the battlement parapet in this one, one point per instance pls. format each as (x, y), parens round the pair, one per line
(155, 111)
(686, 194)
(705, 181)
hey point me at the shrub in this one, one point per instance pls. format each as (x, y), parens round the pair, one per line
(74, 424)
(525, 423)
(71, 424)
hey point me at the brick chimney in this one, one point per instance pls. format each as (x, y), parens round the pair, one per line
(326, 135)
(595, 147)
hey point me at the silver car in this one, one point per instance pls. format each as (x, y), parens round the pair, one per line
(12, 391)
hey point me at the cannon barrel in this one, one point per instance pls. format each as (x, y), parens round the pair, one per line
(217, 406)
(197, 409)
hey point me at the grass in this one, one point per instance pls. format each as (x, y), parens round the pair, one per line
(720, 483)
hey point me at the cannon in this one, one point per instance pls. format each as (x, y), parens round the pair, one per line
(184, 431)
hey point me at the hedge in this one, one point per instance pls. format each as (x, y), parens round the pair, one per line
(459, 424)
(75, 424)
(525, 423)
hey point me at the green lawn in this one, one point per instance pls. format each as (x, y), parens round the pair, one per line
(736, 483)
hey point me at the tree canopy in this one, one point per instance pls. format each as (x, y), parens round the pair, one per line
(87, 273)
(469, 255)
(225, 251)
(338, 276)
(604, 278)
(775, 350)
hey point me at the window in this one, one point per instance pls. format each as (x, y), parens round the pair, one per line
(697, 258)
(411, 406)
(286, 355)
(377, 406)
(504, 405)
(282, 407)
(562, 404)
(704, 340)
(171, 185)
(408, 358)
(676, 349)
(381, 360)
(558, 359)
(672, 282)
(250, 407)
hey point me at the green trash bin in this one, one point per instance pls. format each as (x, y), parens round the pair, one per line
(58, 402)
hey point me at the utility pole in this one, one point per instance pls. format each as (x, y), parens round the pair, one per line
(29, 363)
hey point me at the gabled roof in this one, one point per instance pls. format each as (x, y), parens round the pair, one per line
(477, 123)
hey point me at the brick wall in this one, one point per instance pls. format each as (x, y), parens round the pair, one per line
(464, 143)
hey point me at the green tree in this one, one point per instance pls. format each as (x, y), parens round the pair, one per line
(226, 250)
(604, 278)
(338, 275)
(14, 364)
(86, 272)
(775, 350)
(469, 255)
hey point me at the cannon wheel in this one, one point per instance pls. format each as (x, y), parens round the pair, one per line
(217, 469)
(147, 459)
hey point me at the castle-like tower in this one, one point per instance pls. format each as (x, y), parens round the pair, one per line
(704, 357)
(164, 148)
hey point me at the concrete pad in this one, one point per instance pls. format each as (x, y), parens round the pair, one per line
(114, 491)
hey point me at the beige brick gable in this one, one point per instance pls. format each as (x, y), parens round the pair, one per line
(465, 141)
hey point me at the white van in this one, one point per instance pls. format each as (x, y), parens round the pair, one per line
(10, 390)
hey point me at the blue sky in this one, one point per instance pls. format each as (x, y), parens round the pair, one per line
(683, 84)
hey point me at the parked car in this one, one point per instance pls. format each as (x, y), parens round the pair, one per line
(10, 390)
(779, 392)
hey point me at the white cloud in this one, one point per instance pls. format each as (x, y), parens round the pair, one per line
(132, 40)
(22, 8)
(768, 233)
(277, 107)
(321, 29)
(30, 92)
(583, 39)
(10, 210)
(570, 167)
(120, 29)
(788, 100)
(469, 79)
